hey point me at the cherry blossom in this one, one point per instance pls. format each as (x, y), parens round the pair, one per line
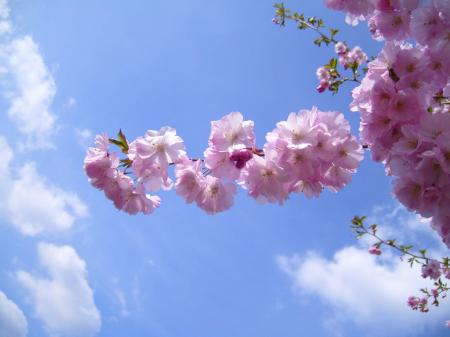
(307, 152)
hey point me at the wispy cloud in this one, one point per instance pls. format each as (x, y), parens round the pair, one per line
(12, 320)
(64, 301)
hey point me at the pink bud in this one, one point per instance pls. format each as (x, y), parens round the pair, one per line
(323, 85)
(375, 250)
(241, 157)
(340, 48)
(413, 302)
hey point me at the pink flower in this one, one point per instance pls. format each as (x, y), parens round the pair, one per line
(409, 143)
(265, 181)
(299, 129)
(348, 153)
(382, 94)
(150, 174)
(405, 107)
(447, 273)
(426, 24)
(354, 7)
(390, 25)
(313, 149)
(160, 148)
(220, 164)
(215, 196)
(231, 131)
(323, 85)
(118, 188)
(336, 178)
(309, 188)
(230, 143)
(409, 61)
(413, 302)
(357, 55)
(190, 179)
(135, 201)
(100, 165)
(432, 270)
(375, 250)
(434, 293)
(409, 193)
(340, 48)
(323, 74)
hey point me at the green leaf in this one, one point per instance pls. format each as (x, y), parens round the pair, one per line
(116, 142)
(333, 32)
(333, 63)
(123, 139)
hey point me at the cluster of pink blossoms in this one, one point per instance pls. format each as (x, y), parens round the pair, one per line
(394, 19)
(404, 101)
(309, 151)
(347, 58)
(432, 269)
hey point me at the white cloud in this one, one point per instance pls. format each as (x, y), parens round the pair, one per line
(64, 301)
(359, 289)
(12, 320)
(365, 290)
(30, 203)
(32, 92)
(35, 206)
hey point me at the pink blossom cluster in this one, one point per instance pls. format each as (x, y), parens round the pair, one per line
(398, 19)
(324, 77)
(405, 115)
(418, 303)
(347, 58)
(307, 152)
(102, 168)
(434, 270)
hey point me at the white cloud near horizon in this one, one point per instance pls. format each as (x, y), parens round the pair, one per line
(12, 320)
(365, 290)
(30, 203)
(64, 301)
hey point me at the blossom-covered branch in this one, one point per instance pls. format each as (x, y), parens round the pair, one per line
(308, 152)
(329, 76)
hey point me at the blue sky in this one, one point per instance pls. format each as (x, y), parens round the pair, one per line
(72, 265)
